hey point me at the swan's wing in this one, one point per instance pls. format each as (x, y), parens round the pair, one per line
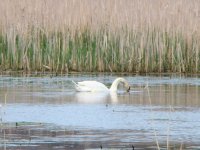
(92, 86)
(81, 88)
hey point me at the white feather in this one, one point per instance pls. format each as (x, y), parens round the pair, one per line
(94, 86)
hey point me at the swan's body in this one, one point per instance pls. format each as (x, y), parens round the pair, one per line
(94, 86)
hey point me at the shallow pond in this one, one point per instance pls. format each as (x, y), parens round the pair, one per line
(47, 113)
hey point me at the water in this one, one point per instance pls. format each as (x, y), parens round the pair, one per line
(47, 113)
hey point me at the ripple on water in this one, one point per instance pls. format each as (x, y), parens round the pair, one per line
(172, 111)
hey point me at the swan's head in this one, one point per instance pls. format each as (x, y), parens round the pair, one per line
(126, 85)
(120, 80)
(128, 89)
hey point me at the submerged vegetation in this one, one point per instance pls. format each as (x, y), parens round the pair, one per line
(106, 36)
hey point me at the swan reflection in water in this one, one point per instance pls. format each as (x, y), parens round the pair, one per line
(96, 97)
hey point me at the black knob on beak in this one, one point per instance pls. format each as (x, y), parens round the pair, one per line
(128, 89)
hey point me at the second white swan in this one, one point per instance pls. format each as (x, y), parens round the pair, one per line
(94, 86)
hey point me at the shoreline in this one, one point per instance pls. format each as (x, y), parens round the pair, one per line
(38, 73)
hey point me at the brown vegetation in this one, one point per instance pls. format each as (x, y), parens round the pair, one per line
(100, 35)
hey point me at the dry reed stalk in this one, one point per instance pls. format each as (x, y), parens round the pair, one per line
(150, 104)
(101, 35)
(180, 15)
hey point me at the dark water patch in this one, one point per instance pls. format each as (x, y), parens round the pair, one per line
(49, 136)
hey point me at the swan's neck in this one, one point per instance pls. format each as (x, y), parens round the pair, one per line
(115, 85)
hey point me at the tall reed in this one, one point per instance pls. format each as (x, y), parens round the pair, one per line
(111, 36)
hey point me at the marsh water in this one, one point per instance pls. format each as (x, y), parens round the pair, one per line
(46, 112)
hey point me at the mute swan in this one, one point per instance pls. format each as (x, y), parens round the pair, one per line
(94, 86)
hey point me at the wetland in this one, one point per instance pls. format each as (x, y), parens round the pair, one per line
(46, 112)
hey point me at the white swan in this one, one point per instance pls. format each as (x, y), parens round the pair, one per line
(94, 86)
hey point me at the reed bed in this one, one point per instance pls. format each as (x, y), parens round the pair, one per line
(102, 35)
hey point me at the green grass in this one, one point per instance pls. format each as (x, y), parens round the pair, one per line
(103, 50)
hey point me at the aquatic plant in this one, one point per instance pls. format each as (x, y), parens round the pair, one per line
(136, 51)
(105, 36)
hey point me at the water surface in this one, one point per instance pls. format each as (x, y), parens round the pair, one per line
(47, 113)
